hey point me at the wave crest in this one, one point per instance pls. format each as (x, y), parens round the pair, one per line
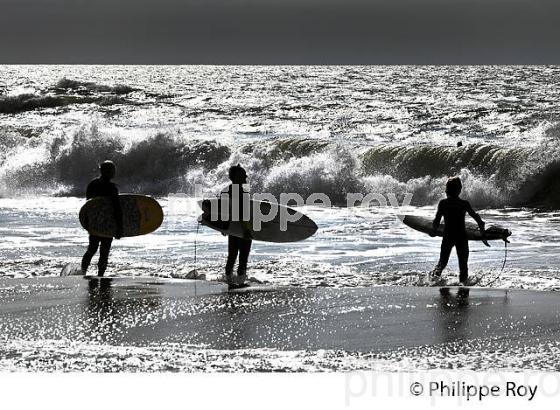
(66, 84)
(165, 163)
(28, 102)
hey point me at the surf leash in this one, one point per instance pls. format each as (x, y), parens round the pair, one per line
(195, 262)
(195, 239)
(503, 264)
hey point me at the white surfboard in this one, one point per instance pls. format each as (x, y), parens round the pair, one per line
(297, 228)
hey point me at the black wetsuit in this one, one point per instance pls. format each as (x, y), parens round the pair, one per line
(453, 210)
(102, 187)
(236, 245)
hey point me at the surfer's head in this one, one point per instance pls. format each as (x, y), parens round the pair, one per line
(453, 187)
(237, 174)
(107, 169)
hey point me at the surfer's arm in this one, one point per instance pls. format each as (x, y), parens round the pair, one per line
(89, 195)
(89, 191)
(118, 213)
(476, 217)
(437, 220)
(245, 201)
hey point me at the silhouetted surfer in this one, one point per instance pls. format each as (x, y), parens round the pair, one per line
(236, 245)
(453, 210)
(102, 186)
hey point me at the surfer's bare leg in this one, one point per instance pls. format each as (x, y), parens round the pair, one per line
(233, 250)
(445, 252)
(90, 252)
(104, 255)
(462, 248)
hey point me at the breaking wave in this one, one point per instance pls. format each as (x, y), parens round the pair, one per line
(29, 102)
(166, 162)
(67, 92)
(66, 85)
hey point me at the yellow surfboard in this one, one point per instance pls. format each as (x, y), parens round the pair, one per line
(141, 215)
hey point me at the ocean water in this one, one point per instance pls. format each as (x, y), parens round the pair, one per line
(332, 130)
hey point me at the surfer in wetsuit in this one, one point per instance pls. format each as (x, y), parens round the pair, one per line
(237, 246)
(102, 186)
(453, 210)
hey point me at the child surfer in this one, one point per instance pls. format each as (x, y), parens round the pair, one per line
(453, 210)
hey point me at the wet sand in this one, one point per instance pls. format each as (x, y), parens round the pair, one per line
(48, 323)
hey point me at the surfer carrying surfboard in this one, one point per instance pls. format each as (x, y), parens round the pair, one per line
(102, 186)
(236, 245)
(453, 210)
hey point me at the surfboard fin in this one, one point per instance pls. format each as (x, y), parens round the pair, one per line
(485, 242)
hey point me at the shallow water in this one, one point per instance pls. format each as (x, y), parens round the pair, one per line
(353, 247)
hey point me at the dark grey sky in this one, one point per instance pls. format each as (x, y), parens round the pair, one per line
(280, 31)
